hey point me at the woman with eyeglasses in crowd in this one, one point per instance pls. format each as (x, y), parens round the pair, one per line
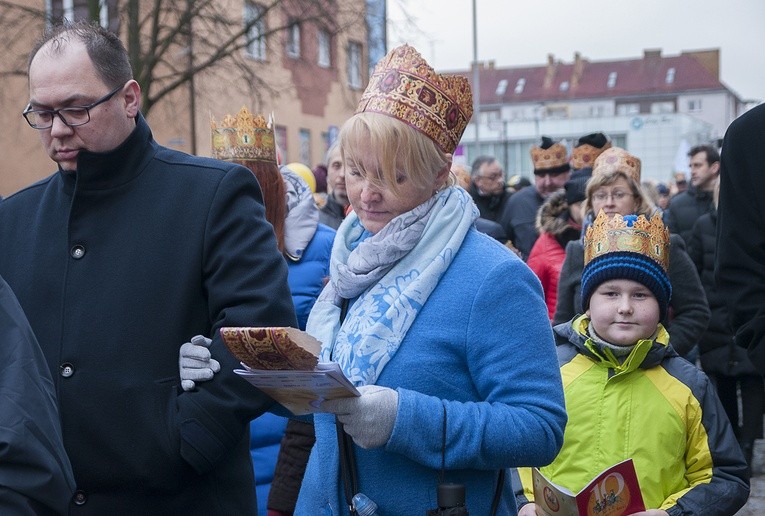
(615, 188)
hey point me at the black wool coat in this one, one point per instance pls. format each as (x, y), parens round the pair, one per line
(740, 265)
(719, 353)
(35, 474)
(117, 265)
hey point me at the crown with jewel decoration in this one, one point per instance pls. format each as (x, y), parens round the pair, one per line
(632, 234)
(405, 87)
(585, 155)
(616, 159)
(244, 137)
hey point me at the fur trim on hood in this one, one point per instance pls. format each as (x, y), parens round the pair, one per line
(553, 216)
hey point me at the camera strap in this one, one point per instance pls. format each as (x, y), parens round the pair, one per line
(500, 479)
(345, 447)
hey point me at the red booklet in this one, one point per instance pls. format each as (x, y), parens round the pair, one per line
(614, 492)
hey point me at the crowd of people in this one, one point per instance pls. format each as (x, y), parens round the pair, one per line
(491, 326)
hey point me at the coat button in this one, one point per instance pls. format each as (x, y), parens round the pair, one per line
(78, 252)
(66, 369)
(79, 497)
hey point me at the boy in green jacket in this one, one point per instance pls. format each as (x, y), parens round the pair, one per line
(629, 395)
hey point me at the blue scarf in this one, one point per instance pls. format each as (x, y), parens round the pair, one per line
(390, 275)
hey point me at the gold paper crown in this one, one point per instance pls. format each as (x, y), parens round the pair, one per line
(405, 87)
(628, 234)
(556, 157)
(586, 154)
(244, 137)
(617, 159)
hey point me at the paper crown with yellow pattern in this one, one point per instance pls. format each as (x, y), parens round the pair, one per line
(550, 157)
(630, 247)
(587, 149)
(244, 137)
(404, 86)
(617, 159)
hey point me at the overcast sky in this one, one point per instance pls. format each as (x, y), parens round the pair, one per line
(514, 32)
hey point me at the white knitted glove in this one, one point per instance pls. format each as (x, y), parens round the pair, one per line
(195, 362)
(368, 418)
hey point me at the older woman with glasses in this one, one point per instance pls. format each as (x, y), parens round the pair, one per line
(615, 189)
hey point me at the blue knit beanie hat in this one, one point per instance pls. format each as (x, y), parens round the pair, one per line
(630, 247)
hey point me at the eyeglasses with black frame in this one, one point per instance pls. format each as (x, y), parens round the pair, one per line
(73, 116)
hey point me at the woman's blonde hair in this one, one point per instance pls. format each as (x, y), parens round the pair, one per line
(644, 204)
(397, 147)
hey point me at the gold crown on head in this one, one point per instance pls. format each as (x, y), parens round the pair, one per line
(244, 137)
(405, 87)
(631, 233)
(617, 159)
(554, 157)
(586, 154)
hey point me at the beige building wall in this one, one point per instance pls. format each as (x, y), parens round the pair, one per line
(301, 94)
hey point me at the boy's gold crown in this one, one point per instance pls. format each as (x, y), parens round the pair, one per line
(405, 87)
(630, 233)
(244, 137)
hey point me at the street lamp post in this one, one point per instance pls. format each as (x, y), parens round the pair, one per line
(476, 85)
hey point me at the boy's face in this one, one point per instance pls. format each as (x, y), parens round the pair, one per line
(623, 311)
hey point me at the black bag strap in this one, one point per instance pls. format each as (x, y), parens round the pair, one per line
(500, 479)
(347, 466)
(345, 448)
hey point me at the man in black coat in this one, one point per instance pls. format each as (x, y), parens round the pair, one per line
(126, 252)
(551, 171)
(740, 265)
(686, 207)
(35, 475)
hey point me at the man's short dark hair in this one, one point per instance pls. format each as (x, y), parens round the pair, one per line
(105, 49)
(479, 162)
(709, 151)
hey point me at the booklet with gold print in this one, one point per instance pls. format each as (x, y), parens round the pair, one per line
(284, 363)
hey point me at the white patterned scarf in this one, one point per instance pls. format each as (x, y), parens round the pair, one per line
(390, 275)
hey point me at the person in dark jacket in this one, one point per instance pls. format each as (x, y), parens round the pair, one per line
(559, 221)
(686, 207)
(35, 474)
(120, 256)
(551, 171)
(487, 188)
(741, 232)
(726, 364)
(333, 211)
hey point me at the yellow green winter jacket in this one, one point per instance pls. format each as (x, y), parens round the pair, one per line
(656, 408)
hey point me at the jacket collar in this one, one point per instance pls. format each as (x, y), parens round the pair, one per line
(103, 170)
(646, 353)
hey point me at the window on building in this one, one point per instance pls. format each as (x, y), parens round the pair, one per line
(611, 80)
(694, 105)
(670, 78)
(493, 116)
(74, 10)
(520, 85)
(256, 39)
(305, 146)
(501, 87)
(354, 65)
(324, 58)
(293, 40)
(628, 109)
(597, 111)
(563, 86)
(280, 132)
(663, 107)
(557, 112)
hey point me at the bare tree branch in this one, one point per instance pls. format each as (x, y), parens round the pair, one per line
(160, 34)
